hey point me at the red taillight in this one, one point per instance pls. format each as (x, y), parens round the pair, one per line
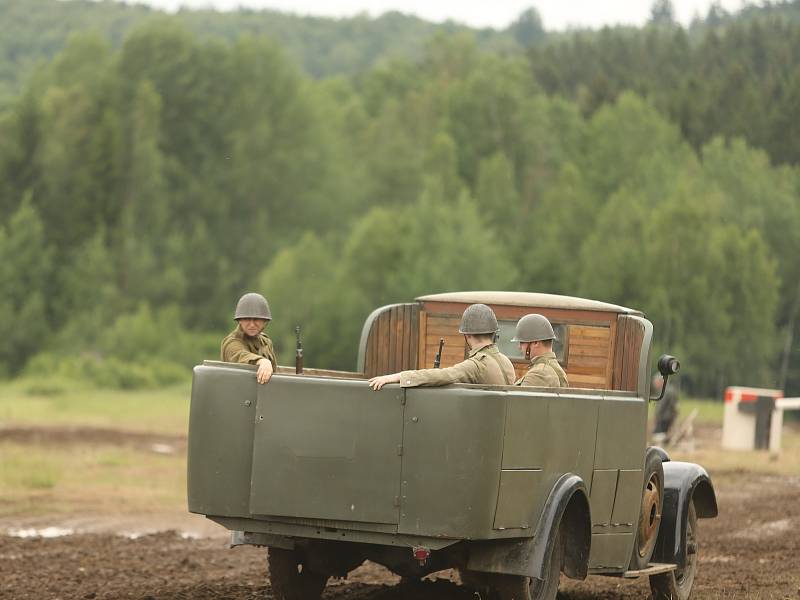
(421, 553)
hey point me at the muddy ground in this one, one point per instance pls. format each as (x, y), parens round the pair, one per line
(751, 551)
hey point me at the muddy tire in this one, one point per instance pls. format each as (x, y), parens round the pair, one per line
(650, 512)
(529, 588)
(290, 579)
(677, 584)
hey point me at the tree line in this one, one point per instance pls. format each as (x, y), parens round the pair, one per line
(144, 188)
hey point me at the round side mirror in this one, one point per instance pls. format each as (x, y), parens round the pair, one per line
(668, 365)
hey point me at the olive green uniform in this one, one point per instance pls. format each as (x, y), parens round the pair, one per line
(484, 365)
(544, 372)
(240, 348)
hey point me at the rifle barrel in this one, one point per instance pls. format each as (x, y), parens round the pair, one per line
(437, 361)
(298, 353)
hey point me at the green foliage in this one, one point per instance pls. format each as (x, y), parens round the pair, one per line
(25, 269)
(33, 31)
(389, 256)
(140, 349)
(148, 179)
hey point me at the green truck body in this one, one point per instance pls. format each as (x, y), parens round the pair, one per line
(478, 476)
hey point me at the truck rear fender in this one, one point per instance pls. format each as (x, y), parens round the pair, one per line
(683, 482)
(576, 530)
(662, 454)
(567, 504)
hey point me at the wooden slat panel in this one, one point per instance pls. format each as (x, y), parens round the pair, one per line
(625, 368)
(399, 326)
(593, 351)
(616, 380)
(597, 371)
(405, 331)
(413, 329)
(586, 380)
(633, 359)
(422, 339)
(610, 353)
(450, 350)
(594, 342)
(389, 340)
(382, 345)
(392, 343)
(588, 361)
(626, 356)
(440, 327)
(370, 365)
(376, 329)
(447, 361)
(453, 348)
(589, 332)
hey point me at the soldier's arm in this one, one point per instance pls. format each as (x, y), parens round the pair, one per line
(468, 371)
(236, 352)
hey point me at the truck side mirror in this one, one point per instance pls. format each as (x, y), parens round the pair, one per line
(667, 365)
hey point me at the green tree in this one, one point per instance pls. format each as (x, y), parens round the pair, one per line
(496, 196)
(25, 268)
(662, 12)
(528, 28)
(304, 287)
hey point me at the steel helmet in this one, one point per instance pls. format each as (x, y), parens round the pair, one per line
(253, 306)
(478, 319)
(533, 328)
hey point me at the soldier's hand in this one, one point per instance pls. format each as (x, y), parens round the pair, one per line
(377, 383)
(264, 370)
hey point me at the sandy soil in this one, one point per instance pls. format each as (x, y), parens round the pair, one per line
(751, 551)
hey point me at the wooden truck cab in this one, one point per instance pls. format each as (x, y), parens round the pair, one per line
(599, 344)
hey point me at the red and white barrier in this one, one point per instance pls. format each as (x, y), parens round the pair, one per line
(750, 420)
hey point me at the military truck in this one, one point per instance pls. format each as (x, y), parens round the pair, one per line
(511, 485)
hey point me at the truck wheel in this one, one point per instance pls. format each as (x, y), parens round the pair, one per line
(677, 584)
(530, 588)
(650, 514)
(290, 579)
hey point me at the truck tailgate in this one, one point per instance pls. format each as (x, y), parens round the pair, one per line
(327, 449)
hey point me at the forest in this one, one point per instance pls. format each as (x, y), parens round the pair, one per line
(154, 167)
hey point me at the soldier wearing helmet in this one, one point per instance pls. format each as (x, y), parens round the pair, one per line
(248, 343)
(535, 336)
(485, 363)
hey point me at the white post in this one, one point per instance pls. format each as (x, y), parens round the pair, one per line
(776, 426)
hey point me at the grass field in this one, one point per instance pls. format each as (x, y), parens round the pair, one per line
(121, 471)
(88, 478)
(156, 411)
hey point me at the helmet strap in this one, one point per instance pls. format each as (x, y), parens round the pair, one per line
(528, 351)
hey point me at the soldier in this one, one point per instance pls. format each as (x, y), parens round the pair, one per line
(666, 409)
(485, 363)
(535, 336)
(248, 343)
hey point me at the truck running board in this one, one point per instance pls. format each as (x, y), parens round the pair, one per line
(652, 569)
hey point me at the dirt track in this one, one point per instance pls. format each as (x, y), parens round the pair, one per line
(751, 551)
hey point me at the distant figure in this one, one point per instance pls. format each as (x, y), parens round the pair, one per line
(248, 343)
(666, 409)
(535, 336)
(485, 363)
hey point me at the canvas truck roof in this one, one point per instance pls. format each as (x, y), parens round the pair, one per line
(532, 299)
